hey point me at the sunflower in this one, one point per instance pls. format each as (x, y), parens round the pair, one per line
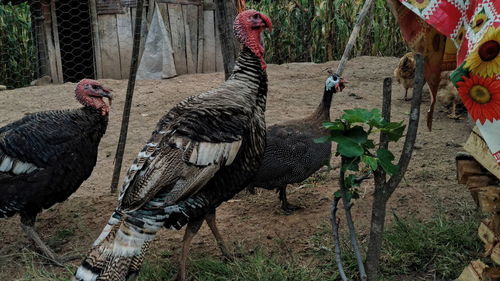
(478, 21)
(481, 97)
(484, 60)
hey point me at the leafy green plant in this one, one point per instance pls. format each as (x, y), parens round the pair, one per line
(318, 30)
(351, 133)
(17, 50)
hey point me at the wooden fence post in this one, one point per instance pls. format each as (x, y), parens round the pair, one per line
(225, 11)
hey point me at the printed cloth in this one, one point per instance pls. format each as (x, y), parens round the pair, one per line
(473, 26)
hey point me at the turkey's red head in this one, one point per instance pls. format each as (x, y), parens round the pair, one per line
(91, 93)
(248, 26)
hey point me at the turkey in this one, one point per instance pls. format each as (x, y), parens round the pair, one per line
(405, 72)
(45, 157)
(201, 153)
(291, 155)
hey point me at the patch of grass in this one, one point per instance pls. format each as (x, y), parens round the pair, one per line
(256, 266)
(35, 269)
(443, 245)
(63, 234)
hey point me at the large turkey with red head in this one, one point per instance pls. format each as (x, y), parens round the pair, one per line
(201, 153)
(45, 156)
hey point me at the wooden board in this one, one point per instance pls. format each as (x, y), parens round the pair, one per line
(209, 54)
(57, 47)
(178, 37)
(164, 14)
(125, 42)
(219, 62)
(95, 40)
(144, 26)
(190, 13)
(110, 55)
(199, 67)
(47, 25)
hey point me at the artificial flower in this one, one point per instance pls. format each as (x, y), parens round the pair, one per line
(484, 60)
(481, 97)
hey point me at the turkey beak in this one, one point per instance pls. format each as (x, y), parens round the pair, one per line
(106, 93)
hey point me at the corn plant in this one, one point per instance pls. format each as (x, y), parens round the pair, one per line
(17, 52)
(318, 30)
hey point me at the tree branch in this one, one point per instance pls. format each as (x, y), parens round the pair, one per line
(350, 223)
(336, 239)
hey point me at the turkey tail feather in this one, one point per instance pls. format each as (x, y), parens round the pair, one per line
(118, 252)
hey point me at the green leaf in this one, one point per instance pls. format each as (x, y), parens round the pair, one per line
(385, 158)
(347, 147)
(369, 144)
(322, 139)
(351, 164)
(337, 194)
(370, 161)
(394, 130)
(360, 115)
(357, 134)
(334, 126)
(349, 181)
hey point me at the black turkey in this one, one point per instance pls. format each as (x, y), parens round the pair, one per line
(202, 152)
(45, 157)
(291, 155)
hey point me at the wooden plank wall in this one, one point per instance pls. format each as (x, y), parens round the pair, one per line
(193, 37)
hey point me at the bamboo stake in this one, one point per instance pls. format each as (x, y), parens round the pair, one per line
(120, 149)
(354, 36)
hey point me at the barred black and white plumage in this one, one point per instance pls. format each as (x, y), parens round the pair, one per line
(201, 153)
(45, 156)
(291, 155)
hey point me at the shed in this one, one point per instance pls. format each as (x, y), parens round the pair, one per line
(78, 39)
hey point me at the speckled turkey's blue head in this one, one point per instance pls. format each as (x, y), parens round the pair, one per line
(334, 83)
(91, 93)
(248, 26)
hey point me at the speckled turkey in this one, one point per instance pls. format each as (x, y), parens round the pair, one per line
(202, 152)
(45, 157)
(291, 155)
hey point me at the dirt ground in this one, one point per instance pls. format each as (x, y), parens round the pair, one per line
(247, 220)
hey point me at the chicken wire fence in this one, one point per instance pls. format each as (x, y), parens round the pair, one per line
(48, 41)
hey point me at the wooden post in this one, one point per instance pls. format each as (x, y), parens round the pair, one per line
(134, 64)
(39, 32)
(225, 11)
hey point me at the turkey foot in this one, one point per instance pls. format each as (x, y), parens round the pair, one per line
(53, 257)
(287, 207)
(210, 219)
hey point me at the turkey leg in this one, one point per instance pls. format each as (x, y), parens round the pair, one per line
(191, 230)
(287, 207)
(53, 257)
(210, 219)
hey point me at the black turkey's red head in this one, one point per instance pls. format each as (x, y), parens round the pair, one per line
(248, 26)
(91, 93)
